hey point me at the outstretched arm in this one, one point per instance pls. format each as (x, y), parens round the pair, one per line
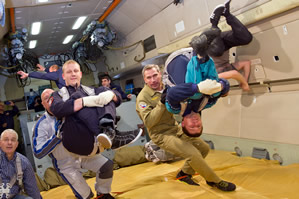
(46, 76)
(233, 74)
(23, 74)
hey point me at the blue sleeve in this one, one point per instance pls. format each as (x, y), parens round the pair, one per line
(225, 89)
(211, 102)
(118, 88)
(177, 94)
(29, 181)
(14, 111)
(46, 76)
(60, 108)
(60, 82)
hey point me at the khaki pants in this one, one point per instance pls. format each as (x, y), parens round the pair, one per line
(194, 150)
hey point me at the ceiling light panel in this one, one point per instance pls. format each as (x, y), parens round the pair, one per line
(32, 44)
(35, 28)
(67, 39)
(42, 1)
(79, 22)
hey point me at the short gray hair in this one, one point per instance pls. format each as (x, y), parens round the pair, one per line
(9, 131)
(150, 66)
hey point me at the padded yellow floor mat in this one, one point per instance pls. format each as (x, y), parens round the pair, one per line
(255, 179)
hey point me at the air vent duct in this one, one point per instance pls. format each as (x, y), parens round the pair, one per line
(149, 44)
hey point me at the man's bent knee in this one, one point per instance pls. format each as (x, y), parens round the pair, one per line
(106, 171)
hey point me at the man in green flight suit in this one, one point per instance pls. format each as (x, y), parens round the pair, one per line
(168, 134)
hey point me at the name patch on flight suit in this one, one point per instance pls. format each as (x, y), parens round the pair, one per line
(154, 98)
(142, 105)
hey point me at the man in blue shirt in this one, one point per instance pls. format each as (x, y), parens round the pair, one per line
(53, 73)
(16, 172)
(106, 82)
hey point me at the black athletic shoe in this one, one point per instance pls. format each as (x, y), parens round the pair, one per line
(106, 137)
(216, 14)
(186, 178)
(124, 138)
(107, 132)
(223, 185)
(226, 11)
(90, 195)
(104, 196)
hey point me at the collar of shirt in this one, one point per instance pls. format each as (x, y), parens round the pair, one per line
(3, 155)
(73, 89)
(151, 91)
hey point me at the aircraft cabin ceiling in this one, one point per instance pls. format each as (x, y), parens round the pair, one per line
(58, 17)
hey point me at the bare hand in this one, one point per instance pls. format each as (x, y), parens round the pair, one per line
(40, 67)
(23, 74)
(129, 96)
(11, 103)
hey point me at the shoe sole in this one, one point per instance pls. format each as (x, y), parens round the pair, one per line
(214, 185)
(150, 153)
(212, 15)
(104, 141)
(226, 4)
(179, 179)
(136, 138)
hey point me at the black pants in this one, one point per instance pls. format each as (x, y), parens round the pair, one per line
(239, 35)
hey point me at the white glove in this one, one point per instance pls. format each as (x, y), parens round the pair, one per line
(92, 101)
(106, 97)
(99, 100)
(209, 87)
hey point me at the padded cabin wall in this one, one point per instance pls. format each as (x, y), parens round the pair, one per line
(276, 38)
(269, 112)
(259, 115)
(123, 60)
(137, 79)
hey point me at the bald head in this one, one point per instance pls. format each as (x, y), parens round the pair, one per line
(45, 98)
(53, 68)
